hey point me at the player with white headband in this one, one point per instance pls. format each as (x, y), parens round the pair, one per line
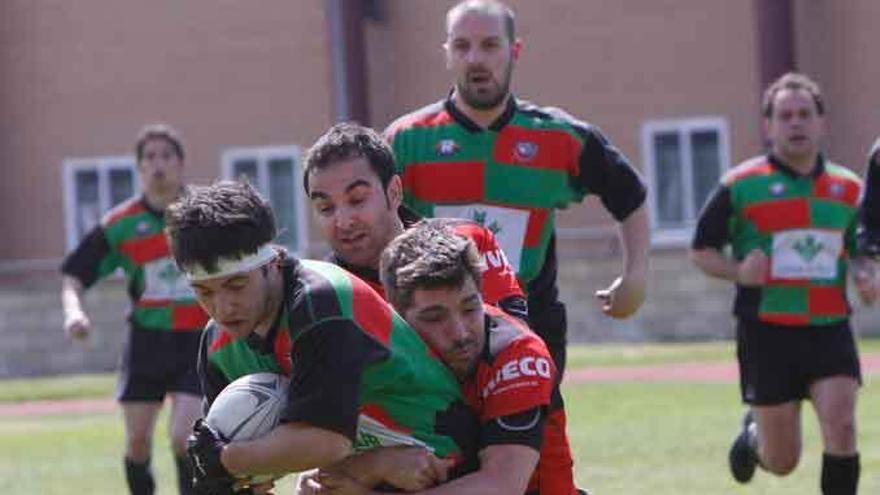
(351, 360)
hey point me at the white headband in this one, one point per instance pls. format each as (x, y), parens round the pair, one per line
(230, 266)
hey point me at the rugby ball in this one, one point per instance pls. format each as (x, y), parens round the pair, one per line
(249, 408)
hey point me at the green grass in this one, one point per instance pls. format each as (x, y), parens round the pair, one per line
(78, 453)
(672, 439)
(58, 387)
(628, 438)
(580, 356)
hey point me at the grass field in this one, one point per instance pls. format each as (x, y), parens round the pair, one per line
(629, 438)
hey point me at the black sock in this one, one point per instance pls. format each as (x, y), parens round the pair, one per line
(840, 474)
(140, 477)
(184, 475)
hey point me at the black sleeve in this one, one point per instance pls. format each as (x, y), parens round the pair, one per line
(523, 428)
(869, 215)
(84, 261)
(713, 225)
(211, 379)
(328, 361)
(604, 171)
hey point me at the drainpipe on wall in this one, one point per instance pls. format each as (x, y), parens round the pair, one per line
(345, 29)
(775, 42)
(775, 39)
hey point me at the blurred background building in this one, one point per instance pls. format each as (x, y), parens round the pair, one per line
(676, 84)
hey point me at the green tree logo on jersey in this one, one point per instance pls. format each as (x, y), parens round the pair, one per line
(808, 248)
(169, 274)
(480, 217)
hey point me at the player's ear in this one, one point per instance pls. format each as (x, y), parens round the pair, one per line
(394, 192)
(516, 48)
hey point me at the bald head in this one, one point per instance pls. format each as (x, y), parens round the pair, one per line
(491, 8)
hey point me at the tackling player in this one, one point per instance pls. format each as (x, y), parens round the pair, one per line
(432, 276)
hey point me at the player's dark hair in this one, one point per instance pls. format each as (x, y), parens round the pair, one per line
(348, 140)
(489, 7)
(796, 82)
(225, 220)
(428, 255)
(158, 131)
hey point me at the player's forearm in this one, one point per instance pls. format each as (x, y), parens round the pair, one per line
(71, 295)
(635, 238)
(715, 264)
(367, 468)
(290, 447)
(503, 469)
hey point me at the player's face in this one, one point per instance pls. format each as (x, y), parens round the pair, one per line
(795, 126)
(451, 321)
(481, 56)
(356, 215)
(161, 170)
(237, 302)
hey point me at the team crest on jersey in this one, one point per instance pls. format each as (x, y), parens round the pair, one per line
(447, 147)
(525, 150)
(142, 227)
(777, 189)
(836, 189)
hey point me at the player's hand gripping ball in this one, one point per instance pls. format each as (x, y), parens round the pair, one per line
(210, 477)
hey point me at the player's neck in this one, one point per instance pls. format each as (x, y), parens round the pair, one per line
(801, 164)
(395, 230)
(482, 117)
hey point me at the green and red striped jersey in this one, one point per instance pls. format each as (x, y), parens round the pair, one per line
(355, 366)
(511, 178)
(131, 236)
(806, 224)
(516, 375)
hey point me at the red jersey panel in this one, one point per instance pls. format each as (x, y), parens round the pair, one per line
(518, 374)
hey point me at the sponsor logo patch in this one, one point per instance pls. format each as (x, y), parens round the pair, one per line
(521, 368)
(525, 150)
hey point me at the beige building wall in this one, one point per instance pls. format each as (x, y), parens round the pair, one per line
(835, 42)
(79, 79)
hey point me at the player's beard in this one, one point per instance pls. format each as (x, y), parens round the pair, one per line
(490, 100)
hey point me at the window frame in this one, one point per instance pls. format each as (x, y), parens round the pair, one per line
(683, 127)
(102, 165)
(262, 155)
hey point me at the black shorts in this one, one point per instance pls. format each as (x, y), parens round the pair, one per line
(157, 362)
(778, 363)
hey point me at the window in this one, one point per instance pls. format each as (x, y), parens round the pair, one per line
(684, 160)
(277, 174)
(91, 187)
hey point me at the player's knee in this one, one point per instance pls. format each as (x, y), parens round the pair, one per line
(841, 432)
(780, 463)
(138, 446)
